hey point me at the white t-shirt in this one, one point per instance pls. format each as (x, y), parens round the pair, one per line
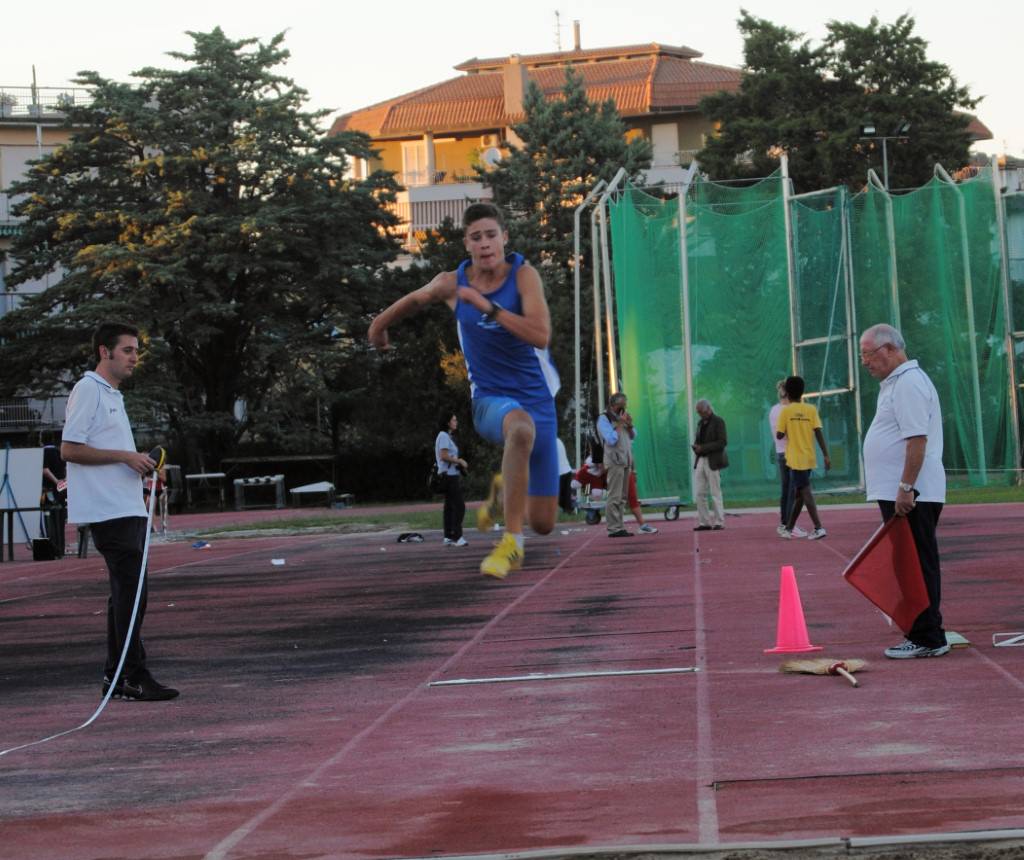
(908, 405)
(773, 423)
(444, 440)
(564, 466)
(96, 417)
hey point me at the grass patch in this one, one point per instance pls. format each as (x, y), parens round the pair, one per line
(427, 520)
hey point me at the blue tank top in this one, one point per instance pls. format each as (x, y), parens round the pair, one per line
(499, 363)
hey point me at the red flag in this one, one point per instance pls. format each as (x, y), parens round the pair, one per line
(887, 572)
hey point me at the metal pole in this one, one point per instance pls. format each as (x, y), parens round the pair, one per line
(577, 261)
(684, 283)
(790, 268)
(854, 346)
(39, 113)
(1011, 358)
(885, 165)
(969, 298)
(595, 244)
(609, 314)
(890, 231)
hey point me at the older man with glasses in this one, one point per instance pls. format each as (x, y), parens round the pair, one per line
(904, 472)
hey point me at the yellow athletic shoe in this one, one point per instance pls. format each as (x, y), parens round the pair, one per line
(505, 556)
(487, 515)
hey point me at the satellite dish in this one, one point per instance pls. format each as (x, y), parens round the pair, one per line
(492, 155)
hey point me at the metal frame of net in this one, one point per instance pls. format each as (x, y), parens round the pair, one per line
(776, 283)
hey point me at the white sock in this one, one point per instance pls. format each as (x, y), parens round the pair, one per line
(518, 539)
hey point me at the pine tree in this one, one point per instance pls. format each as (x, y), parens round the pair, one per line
(205, 205)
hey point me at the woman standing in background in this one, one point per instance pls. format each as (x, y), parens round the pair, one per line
(450, 467)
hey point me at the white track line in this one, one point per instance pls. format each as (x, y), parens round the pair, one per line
(707, 807)
(221, 849)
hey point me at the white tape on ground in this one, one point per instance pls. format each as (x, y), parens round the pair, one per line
(124, 650)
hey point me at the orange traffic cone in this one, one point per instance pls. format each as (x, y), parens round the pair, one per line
(791, 637)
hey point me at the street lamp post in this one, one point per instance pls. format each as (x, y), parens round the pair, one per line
(868, 131)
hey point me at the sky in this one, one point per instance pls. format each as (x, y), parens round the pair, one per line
(351, 55)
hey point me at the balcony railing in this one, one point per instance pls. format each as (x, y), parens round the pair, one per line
(422, 208)
(428, 214)
(40, 101)
(419, 178)
(26, 413)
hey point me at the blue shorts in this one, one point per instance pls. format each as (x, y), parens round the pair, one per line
(489, 415)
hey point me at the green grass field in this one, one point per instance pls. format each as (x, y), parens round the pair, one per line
(422, 520)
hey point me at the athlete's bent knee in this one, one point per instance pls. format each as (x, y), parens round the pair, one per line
(520, 432)
(542, 525)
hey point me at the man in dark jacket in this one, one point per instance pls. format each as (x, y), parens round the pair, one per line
(709, 459)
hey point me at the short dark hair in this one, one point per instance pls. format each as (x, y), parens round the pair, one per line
(108, 334)
(795, 386)
(476, 211)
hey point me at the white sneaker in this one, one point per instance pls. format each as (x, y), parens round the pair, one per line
(907, 650)
(799, 532)
(647, 529)
(817, 534)
(460, 542)
(780, 529)
(785, 534)
(448, 541)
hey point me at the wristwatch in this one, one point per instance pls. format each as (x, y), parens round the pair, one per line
(907, 488)
(495, 307)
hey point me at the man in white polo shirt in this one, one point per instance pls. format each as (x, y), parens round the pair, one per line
(105, 491)
(904, 472)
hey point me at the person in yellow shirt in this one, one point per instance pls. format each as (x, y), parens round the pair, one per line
(799, 424)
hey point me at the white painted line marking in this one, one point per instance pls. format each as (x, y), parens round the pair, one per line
(1011, 640)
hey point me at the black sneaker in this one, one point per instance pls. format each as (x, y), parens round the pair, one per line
(146, 689)
(118, 690)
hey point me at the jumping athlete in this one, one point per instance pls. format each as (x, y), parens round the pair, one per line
(504, 329)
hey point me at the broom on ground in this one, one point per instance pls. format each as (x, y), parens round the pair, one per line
(825, 666)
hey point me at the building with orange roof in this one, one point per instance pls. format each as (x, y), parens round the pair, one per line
(434, 137)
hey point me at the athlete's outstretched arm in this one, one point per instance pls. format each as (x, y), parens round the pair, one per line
(441, 289)
(533, 325)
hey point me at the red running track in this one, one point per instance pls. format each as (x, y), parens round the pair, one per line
(312, 724)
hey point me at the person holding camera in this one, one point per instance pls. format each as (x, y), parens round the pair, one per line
(616, 428)
(449, 469)
(709, 460)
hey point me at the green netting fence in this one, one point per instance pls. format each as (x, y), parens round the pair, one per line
(775, 284)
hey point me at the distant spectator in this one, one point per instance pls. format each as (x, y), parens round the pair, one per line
(616, 429)
(709, 459)
(799, 424)
(785, 475)
(450, 467)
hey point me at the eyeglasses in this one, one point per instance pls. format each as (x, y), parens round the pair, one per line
(864, 356)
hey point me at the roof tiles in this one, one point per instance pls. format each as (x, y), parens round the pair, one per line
(640, 79)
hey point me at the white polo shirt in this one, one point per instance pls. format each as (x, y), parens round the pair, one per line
(96, 417)
(908, 405)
